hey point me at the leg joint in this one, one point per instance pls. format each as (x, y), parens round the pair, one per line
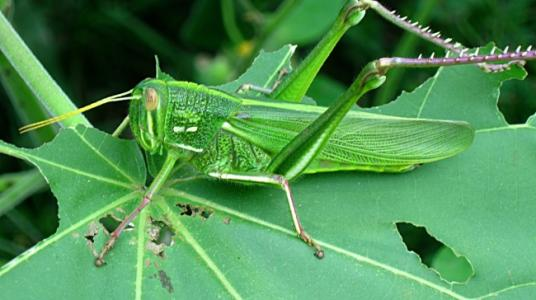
(281, 180)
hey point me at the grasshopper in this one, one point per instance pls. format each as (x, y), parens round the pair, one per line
(274, 139)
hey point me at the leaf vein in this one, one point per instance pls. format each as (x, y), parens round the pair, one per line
(142, 220)
(104, 158)
(199, 250)
(508, 127)
(513, 287)
(79, 172)
(59, 235)
(425, 100)
(355, 256)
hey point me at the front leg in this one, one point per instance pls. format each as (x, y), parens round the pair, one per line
(156, 185)
(284, 184)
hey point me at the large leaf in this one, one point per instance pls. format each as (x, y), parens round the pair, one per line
(479, 203)
(264, 70)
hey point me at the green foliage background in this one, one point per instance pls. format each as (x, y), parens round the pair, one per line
(97, 48)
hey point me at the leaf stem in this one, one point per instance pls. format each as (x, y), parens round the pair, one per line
(282, 11)
(25, 104)
(35, 76)
(229, 22)
(11, 150)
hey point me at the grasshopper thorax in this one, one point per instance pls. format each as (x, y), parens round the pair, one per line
(148, 114)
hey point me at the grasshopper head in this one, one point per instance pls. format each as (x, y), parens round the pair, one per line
(148, 114)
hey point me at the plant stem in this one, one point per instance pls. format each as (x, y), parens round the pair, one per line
(182, 60)
(47, 91)
(26, 184)
(24, 103)
(229, 22)
(282, 11)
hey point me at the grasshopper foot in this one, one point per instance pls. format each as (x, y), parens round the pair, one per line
(319, 253)
(99, 260)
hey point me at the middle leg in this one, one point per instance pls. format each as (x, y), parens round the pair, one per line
(284, 184)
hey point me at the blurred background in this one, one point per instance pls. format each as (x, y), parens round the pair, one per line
(98, 48)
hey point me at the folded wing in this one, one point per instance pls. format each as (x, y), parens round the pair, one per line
(363, 141)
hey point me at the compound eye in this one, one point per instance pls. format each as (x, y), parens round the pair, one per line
(151, 99)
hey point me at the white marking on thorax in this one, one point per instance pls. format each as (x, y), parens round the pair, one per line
(178, 129)
(189, 148)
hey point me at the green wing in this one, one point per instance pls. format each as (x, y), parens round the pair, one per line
(363, 141)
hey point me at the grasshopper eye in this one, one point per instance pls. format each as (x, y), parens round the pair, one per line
(151, 99)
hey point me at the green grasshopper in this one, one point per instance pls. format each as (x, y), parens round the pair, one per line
(275, 139)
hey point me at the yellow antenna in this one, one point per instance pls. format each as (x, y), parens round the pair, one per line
(114, 98)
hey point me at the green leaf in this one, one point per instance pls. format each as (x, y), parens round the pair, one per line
(91, 174)
(450, 266)
(233, 241)
(264, 70)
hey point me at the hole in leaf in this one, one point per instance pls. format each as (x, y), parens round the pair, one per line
(92, 232)
(110, 222)
(161, 236)
(434, 254)
(90, 238)
(192, 211)
(90, 235)
(515, 103)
